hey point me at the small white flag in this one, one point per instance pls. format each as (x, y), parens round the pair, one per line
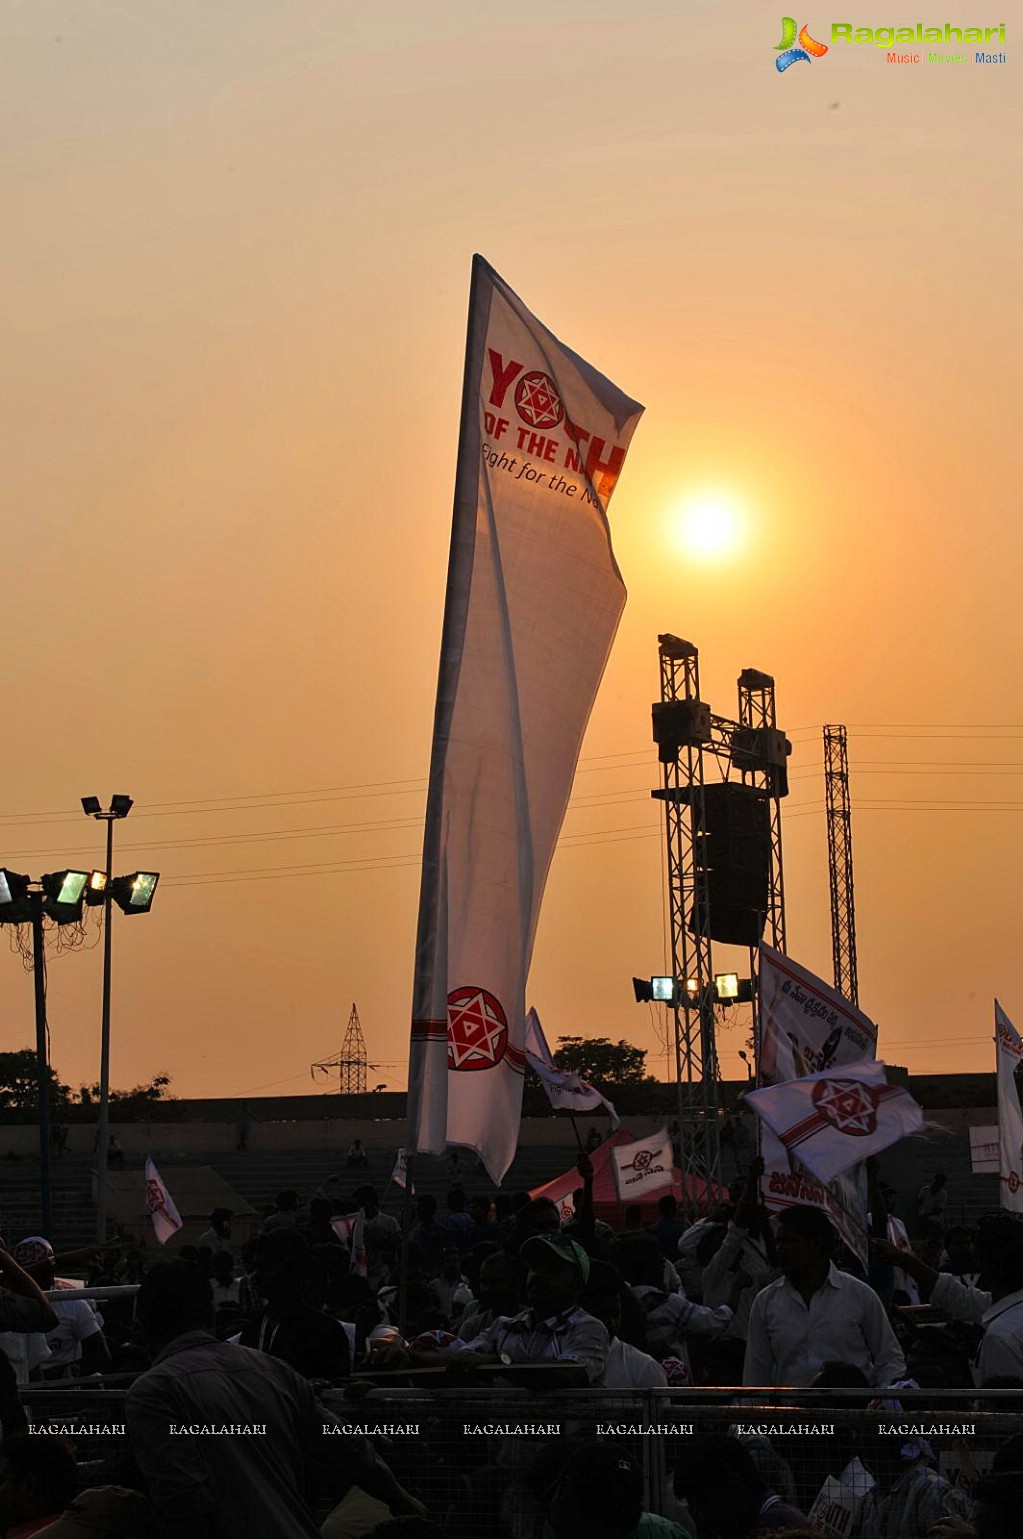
(350, 1229)
(647, 1165)
(1008, 1054)
(399, 1175)
(165, 1216)
(565, 1091)
(833, 1120)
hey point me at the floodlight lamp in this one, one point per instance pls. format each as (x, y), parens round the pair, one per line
(96, 889)
(726, 987)
(692, 988)
(663, 989)
(134, 894)
(64, 893)
(14, 904)
(120, 806)
(91, 806)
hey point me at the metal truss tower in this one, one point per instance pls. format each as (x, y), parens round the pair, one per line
(351, 1062)
(840, 862)
(686, 732)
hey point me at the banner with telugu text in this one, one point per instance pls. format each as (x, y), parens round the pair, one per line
(1008, 1055)
(534, 597)
(806, 1026)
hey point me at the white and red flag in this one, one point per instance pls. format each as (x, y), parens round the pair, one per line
(350, 1229)
(646, 1165)
(805, 1026)
(565, 1091)
(165, 1216)
(534, 597)
(835, 1119)
(1008, 1056)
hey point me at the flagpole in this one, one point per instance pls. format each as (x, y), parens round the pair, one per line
(575, 1129)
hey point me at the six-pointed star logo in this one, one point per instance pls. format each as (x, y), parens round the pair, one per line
(537, 400)
(477, 1029)
(642, 1159)
(848, 1105)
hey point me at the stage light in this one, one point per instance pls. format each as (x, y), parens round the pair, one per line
(733, 990)
(14, 905)
(95, 890)
(64, 893)
(134, 894)
(664, 990)
(91, 805)
(120, 806)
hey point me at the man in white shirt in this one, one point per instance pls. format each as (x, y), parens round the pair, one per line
(815, 1314)
(627, 1366)
(77, 1343)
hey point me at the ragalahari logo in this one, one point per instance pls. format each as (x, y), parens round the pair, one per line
(788, 53)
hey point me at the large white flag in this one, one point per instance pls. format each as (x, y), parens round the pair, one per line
(534, 596)
(565, 1091)
(1009, 1052)
(837, 1118)
(805, 1026)
(165, 1216)
(646, 1165)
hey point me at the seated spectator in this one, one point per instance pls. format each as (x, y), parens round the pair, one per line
(293, 1325)
(458, 1223)
(357, 1158)
(319, 1230)
(484, 1230)
(449, 1292)
(552, 1329)
(285, 1213)
(627, 1366)
(38, 1477)
(431, 1237)
(908, 1497)
(77, 1344)
(225, 1287)
(719, 1482)
(497, 1295)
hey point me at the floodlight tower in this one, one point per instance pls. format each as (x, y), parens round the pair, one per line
(682, 729)
(840, 862)
(760, 752)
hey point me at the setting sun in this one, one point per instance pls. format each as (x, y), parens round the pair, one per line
(709, 525)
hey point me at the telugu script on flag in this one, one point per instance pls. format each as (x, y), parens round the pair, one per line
(836, 1119)
(534, 597)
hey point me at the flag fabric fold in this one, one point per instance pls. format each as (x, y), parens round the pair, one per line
(534, 597)
(565, 1091)
(1008, 1055)
(805, 1025)
(162, 1210)
(837, 1118)
(646, 1165)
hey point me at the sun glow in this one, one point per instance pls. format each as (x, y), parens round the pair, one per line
(709, 525)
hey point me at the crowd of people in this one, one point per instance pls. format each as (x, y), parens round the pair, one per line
(334, 1293)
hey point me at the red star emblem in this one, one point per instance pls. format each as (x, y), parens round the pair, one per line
(477, 1029)
(154, 1198)
(537, 400)
(848, 1105)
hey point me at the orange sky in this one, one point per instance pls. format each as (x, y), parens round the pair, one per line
(235, 273)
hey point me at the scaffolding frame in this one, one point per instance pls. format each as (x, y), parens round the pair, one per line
(840, 862)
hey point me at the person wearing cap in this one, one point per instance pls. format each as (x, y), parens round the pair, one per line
(814, 1313)
(218, 1236)
(77, 1343)
(553, 1329)
(102, 1512)
(23, 1304)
